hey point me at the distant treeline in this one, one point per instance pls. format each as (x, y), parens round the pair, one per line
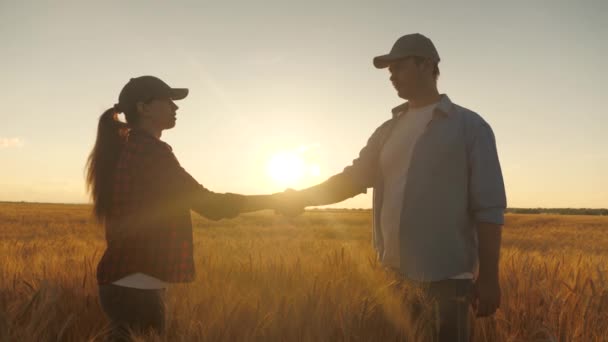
(556, 211)
(559, 211)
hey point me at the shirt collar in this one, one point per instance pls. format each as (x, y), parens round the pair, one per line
(135, 133)
(444, 107)
(142, 133)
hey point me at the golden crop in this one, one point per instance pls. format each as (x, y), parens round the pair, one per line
(262, 277)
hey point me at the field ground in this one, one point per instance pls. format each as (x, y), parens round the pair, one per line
(262, 277)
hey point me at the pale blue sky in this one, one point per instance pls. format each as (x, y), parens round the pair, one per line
(272, 76)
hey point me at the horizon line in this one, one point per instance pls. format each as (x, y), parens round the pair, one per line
(317, 207)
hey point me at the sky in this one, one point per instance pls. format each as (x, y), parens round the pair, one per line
(289, 85)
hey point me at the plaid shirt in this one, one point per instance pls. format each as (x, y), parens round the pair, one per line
(149, 229)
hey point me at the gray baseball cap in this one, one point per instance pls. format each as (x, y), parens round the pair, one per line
(413, 44)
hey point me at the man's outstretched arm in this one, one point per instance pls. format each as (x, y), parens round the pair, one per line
(336, 189)
(353, 180)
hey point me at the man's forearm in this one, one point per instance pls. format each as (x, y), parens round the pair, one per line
(335, 189)
(489, 236)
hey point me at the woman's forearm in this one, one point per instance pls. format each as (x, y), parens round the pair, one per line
(258, 202)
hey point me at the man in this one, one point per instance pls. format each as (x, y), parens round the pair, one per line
(439, 195)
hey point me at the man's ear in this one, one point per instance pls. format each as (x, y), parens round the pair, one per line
(426, 66)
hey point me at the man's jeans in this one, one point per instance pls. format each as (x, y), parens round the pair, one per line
(449, 302)
(132, 310)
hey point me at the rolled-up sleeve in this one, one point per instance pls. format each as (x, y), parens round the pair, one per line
(363, 170)
(487, 198)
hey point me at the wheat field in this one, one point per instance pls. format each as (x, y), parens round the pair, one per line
(262, 277)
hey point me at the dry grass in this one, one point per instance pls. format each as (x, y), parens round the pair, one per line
(315, 278)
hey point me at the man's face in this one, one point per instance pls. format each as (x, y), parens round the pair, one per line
(161, 113)
(407, 76)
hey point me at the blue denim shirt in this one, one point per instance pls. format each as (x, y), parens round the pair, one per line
(454, 181)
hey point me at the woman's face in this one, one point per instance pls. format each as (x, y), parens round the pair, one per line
(159, 113)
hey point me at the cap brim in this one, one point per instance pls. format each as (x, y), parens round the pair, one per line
(178, 93)
(383, 61)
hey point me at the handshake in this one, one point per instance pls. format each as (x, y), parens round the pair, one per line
(289, 203)
(217, 206)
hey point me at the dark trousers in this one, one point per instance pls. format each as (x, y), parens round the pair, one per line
(446, 304)
(132, 310)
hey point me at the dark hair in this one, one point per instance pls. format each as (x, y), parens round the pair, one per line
(111, 136)
(419, 60)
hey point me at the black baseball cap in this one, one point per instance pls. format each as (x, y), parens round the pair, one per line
(146, 88)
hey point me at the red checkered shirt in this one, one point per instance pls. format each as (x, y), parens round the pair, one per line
(149, 229)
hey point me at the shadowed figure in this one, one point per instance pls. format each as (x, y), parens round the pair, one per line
(143, 197)
(439, 196)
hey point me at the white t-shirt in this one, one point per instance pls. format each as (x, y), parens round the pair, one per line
(395, 161)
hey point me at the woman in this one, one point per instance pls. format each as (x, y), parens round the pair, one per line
(144, 197)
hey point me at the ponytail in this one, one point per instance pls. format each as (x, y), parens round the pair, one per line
(100, 166)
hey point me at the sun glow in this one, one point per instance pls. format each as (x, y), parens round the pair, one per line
(290, 168)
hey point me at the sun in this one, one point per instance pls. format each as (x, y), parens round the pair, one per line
(288, 168)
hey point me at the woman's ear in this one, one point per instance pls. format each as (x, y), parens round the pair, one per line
(141, 107)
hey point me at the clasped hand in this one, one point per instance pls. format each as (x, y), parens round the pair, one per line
(289, 203)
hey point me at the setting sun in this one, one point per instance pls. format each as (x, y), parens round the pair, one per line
(288, 168)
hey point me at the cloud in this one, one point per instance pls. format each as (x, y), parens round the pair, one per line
(10, 142)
